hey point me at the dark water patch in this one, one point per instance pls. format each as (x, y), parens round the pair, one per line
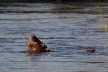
(18, 32)
(24, 4)
(14, 4)
(13, 52)
(105, 16)
(1, 46)
(58, 38)
(23, 51)
(10, 4)
(52, 51)
(13, 31)
(82, 71)
(57, 61)
(18, 68)
(19, 44)
(17, 19)
(26, 12)
(96, 62)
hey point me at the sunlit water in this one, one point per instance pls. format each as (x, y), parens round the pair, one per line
(65, 33)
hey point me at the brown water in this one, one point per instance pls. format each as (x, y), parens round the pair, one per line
(66, 29)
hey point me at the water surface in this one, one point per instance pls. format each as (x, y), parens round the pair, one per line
(66, 29)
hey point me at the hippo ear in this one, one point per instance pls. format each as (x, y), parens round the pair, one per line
(29, 38)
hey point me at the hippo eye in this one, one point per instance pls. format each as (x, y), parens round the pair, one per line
(45, 46)
(29, 38)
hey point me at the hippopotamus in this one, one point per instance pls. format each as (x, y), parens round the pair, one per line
(35, 45)
(89, 50)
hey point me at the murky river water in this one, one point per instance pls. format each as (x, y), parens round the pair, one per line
(66, 29)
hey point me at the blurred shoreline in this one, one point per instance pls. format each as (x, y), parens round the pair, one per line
(81, 8)
(51, 1)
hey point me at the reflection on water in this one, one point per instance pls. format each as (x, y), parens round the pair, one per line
(66, 29)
